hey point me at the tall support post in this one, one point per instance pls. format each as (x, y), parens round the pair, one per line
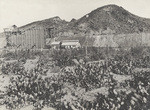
(86, 46)
(86, 51)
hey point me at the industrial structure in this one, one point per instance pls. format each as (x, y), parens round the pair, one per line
(34, 38)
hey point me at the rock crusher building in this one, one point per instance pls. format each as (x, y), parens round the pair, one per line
(27, 39)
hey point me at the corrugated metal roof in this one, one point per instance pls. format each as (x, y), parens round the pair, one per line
(70, 43)
(55, 43)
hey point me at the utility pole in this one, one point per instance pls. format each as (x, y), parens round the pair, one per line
(86, 45)
(8, 34)
(86, 38)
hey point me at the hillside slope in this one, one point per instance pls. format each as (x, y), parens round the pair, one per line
(106, 20)
(109, 17)
(56, 22)
(114, 18)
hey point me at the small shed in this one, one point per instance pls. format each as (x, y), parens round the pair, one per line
(56, 44)
(71, 44)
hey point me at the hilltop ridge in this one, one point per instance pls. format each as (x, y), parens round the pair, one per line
(107, 20)
(112, 17)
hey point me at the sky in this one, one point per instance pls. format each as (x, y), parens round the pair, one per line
(21, 12)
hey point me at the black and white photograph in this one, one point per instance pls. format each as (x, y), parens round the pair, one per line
(74, 54)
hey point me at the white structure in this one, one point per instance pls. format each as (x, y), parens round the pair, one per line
(70, 44)
(56, 44)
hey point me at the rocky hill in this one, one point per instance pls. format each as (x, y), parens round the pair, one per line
(110, 17)
(54, 22)
(114, 18)
(106, 20)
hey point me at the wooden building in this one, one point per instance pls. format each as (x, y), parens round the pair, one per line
(70, 44)
(29, 39)
(67, 44)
